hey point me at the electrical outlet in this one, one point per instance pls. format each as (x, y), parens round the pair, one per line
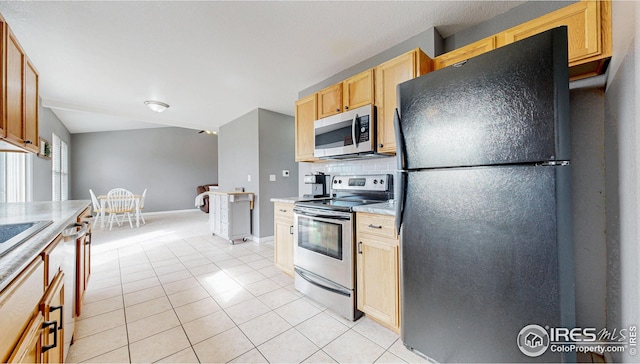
(272, 177)
(285, 173)
(248, 178)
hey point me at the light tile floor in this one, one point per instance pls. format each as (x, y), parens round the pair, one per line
(171, 292)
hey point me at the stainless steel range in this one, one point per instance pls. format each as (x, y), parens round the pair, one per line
(324, 257)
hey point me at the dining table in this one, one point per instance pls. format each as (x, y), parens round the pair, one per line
(103, 204)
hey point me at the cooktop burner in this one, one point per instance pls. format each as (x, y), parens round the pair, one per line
(350, 191)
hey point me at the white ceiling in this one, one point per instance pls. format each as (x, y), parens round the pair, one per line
(211, 61)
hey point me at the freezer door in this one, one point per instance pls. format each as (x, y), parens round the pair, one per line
(510, 105)
(485, 252)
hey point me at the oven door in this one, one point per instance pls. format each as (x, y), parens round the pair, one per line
(350, 132)
(324, 244)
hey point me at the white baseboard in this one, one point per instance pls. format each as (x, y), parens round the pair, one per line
(262, 240)
(172, 212)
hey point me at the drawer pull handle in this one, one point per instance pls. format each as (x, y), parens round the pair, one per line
(359, 247)
(375, 226)
(291, 229)
(46, 324)
(54, 308)
(282, 210)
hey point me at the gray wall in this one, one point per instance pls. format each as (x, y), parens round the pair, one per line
(169, 162)
(259, 143)
(42, 174)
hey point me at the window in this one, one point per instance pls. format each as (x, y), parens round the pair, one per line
(15, 184)
(60, 165)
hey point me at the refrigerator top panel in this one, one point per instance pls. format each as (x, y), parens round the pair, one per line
(507, 106)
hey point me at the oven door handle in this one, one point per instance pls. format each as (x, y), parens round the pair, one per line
(321, 216)
(318, 284)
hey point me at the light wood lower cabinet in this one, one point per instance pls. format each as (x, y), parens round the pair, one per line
(29, 347)
(83, 259)
(19, 306)
(283, 237)
(36, 308)
(52, 308)
(378, 274)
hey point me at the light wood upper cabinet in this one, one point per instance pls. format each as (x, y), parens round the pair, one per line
(305, 116)
(20, 94)
(466, 52)
(283, 237)
(378, 273)
(13, 90)
(330, 101)
(589, 33)
(387, 77)
(358, 90)
(351, 93)
(31, 98)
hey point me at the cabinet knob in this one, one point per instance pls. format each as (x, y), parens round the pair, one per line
(346, 107)
(338, 110)
(380, 145)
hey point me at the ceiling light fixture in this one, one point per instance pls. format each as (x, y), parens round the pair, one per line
(156, 106)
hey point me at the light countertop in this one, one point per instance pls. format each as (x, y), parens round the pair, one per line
(62, 213)
(383, 208)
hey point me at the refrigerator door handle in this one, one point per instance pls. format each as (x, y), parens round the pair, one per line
(402, 186)
(401, 150)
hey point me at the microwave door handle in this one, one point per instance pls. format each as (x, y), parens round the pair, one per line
(353, 131)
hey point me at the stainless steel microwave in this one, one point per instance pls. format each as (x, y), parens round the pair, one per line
(350, 134)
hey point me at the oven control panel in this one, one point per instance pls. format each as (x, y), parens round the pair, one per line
(374, 182)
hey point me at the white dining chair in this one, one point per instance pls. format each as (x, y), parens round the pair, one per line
(120, 201)
(141, 206)
(98, 209)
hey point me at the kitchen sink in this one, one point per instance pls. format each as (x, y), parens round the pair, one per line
(12, 235)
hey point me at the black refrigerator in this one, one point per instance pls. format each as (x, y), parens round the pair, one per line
(484, 204)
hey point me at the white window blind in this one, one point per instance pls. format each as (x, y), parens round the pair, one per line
(16, 183)
(60, 167)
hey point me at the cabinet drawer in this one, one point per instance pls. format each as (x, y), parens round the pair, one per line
(283, 211)
(374, 224)
(18, 304)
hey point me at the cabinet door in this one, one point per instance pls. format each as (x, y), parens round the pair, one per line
(80, 275)
(378, 280)
(31, 107)
(387, 77)
(18, 305)
(14, 88)
(474, 49)
(29, 347)
(330, 101)
(358, 90)
(305, 116)
(583, 26)
(283, 237)
(52, 307)
(283, 249)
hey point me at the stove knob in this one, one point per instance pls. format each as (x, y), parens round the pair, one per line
(375, 181)
(335, 181)
(340, 181)
(381, 181)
